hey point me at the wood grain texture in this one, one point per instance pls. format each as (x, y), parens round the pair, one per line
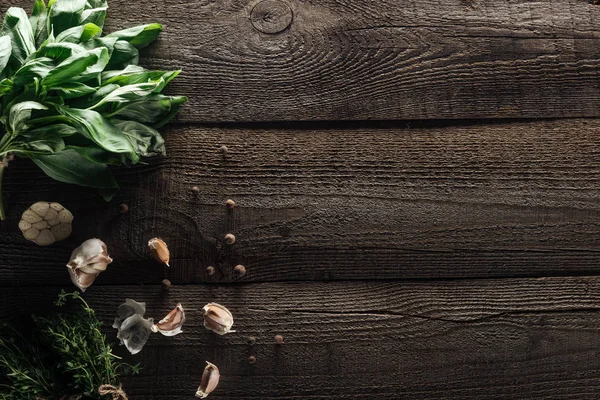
(501, 339)
(354, 60)
(509, 199)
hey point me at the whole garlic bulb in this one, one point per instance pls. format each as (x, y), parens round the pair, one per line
(45, 223)
(87, 261)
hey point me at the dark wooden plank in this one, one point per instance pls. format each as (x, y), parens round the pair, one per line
(511, 199)
(354, 60)
(514, 338)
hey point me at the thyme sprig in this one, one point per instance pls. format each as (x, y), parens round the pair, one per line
(69, 357)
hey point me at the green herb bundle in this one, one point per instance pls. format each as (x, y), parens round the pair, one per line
(68, 357)
(74, 101)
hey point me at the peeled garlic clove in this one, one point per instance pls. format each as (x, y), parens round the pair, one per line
(209, 381)
(81, 279)
(159, 250)
(41, 223)
(217, 318)
(91, 256)
(134, 332)
(127, 309)
(172, 323)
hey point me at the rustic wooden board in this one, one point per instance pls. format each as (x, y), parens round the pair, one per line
(352, 59)
(503, 338)
(510, 199)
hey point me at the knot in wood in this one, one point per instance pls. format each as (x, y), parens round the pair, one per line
(271, 16)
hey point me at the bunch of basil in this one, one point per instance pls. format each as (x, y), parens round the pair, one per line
(74, 101)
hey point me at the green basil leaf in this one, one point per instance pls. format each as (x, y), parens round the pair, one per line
(99, 155)
(20, 113)
(73, 90)
(5, 52)
(45, 143)
(60, 51)
(146, 141)
(37, 20)
(79, 67)
(65, 14)
(38, 67)
(6, 86)
(131, 92)
(61, 130)
(95, 12)
(139, 36)
(16, 25)
(94, 43)
(99, 129)
(71, 167)
(130, 78)
(124, 53)
(156, 109)
(130, 69)
(78, 34)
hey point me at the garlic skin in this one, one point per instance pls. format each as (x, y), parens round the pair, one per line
(134, 332)
(87, 261)
(217, 318)
(159, 250)
(209, 381)
(126, 310)
(172, 323)
(45, 223)
(81, 279)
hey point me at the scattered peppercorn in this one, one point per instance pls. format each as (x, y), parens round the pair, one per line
(224, 149)
(210, 270)
(229, 238)
(166, 284)
(195, 189)
(279, 339)
(251, 360)
(251, 340)
(123, 208)
(239, 270)
(230, 204)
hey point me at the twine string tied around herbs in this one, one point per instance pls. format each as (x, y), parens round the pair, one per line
(116, 393)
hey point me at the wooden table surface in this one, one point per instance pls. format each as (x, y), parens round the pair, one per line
(417, 188)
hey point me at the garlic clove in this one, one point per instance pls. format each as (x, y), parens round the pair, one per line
(172, 323)
(127, 309)
(159, 250)
(24, 225)
(217, 318)
(53, 222)
(60, 231)
(48, 226)
(31, 217)
(134, 332)
(90, 258)
(65, 216)
(209, 381)
(31, 233)
(88, 255)
(56, 207)
(45, 238)
(40, 208)
(81, 279)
